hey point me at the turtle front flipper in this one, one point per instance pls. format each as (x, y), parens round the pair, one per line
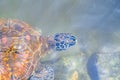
(43, 72)
(58, 42)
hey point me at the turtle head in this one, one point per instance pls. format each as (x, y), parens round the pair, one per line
(61, 41)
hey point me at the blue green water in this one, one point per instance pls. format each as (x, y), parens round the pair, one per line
(95, 22)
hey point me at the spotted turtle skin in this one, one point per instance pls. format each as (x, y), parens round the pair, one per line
(21, 47)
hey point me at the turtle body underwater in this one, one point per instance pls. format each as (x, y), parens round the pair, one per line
(21, 47)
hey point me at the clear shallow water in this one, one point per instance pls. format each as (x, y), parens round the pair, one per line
(95, 24)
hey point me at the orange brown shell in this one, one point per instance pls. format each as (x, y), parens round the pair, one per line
(19, 49)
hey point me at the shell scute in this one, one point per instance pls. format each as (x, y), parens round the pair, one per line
(19, 44)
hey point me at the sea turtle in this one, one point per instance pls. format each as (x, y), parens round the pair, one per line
(21, 47)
